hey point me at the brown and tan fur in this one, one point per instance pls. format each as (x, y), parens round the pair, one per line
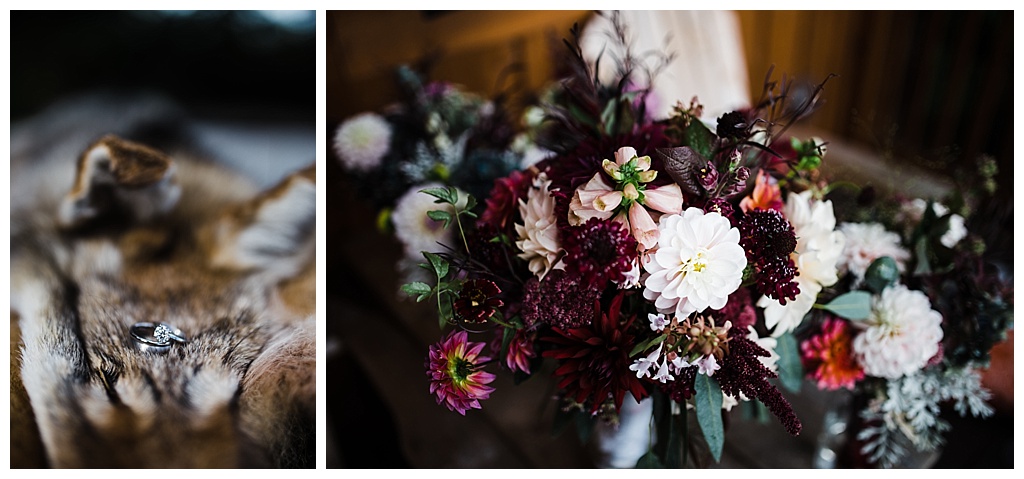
(136, 235)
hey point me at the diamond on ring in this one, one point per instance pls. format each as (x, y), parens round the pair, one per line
(156, 336)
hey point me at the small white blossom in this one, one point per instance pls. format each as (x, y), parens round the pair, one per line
(708, 365)
(663, 374)
(631, 278)
(658, 321)
(643, 365)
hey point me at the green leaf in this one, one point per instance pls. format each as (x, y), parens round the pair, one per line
(608, 117)
(506, 340)
(700, 138)
(416, 288)
(444, 195)
(647, 344)
(708, 402)
(921, 254)
(649, 461)
(881, 273)
(853, 305)
(791, 372)
(444, 311)
(438, 263)
(439, 215)
(470, 203)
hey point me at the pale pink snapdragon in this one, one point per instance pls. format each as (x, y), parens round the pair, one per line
(626, 198)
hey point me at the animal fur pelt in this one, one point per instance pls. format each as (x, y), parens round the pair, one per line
(117, 218)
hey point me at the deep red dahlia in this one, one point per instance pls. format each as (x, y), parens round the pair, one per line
(477, 300)
(594, 359)
(503, 201)
(599, 251)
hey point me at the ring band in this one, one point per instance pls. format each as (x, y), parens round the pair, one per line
(158, 336)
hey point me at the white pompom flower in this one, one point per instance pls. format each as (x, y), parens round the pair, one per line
(538, 234)
(362, 141)
(698, 264)
(414, 228)
(900, 336)
(866, 242)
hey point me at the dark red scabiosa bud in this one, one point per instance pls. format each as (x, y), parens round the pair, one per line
(769, 240)
(732, 125)
(477, 301)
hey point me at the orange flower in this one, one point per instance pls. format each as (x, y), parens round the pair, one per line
(766, 194)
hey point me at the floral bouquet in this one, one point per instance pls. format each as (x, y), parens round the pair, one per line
(438, 135)
(649, 258)
(918, 313)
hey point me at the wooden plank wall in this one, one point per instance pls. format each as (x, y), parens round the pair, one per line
(937, 79)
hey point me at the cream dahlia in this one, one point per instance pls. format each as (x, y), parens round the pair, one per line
(901, 334)
(866, 242)
(818, 249)
(362, 141)
(697, 265)
(538, 235)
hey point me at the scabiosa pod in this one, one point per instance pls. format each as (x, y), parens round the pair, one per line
(628, 196)
(454, 366)
(818, 249)
(698, 264)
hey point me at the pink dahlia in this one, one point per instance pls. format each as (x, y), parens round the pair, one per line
(454, 366)
(829, 356)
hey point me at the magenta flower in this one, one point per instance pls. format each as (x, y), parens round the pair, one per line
(454, 366)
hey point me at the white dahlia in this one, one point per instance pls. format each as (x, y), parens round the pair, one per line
(866, 242)
(698, 264)
(414, 228)
(538, 235)
(362, 141)
(899, 337)
(818, 249)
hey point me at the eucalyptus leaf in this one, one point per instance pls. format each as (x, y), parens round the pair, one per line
(791, 372)
(881, 273)
(708, 403)
(853, 305)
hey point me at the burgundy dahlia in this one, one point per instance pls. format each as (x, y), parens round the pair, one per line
(503, 201)
(594, 359)
(477, 301)
(599, 251)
